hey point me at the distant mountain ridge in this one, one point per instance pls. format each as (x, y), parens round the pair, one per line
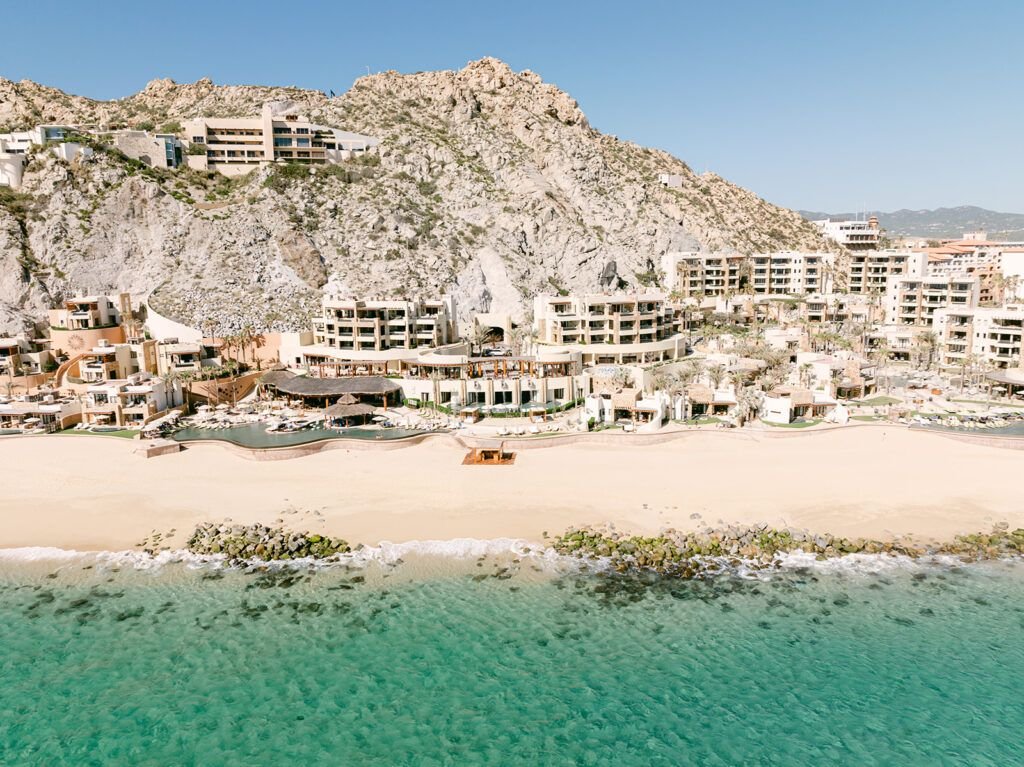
(941, 223)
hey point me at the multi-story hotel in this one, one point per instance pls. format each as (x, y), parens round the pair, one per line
(853, 235)
(991, 336)
(914, 301)
(791, 273)
(700, 275)
(610, 329)
(869, 271)
(351, 326)
(234, 146)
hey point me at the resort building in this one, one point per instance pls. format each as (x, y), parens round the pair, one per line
(842, 308)
(868, 272)
(699, 275)
(354, 325)
(88, 312)
(129, 403)
(853, 235)
(159, 150)
(913, 301)
(82, 323)
(899, 342)
(453, 379)
(174, 356)
(844, 375)
(449, 378)
(787, 404)
(999, 267)
(791, 272)
(41, 413)
(235, 146)
(631, 408)
(23, 356)
(981, 336)
(610, 329)
(14, 149)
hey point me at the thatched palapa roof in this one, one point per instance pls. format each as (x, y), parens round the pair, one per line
(307, 386)
(349, 411)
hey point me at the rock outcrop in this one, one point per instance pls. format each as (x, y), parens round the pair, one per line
(489, 183)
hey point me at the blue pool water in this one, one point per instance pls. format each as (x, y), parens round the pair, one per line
(480, 665)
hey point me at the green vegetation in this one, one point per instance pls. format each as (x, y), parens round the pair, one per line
(878, 401)
(795, 424)
(122, 433)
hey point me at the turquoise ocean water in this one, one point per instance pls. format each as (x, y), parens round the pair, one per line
(508, 663)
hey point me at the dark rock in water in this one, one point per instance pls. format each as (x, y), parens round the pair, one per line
(135, 612)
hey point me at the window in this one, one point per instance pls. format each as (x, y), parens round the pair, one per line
(199, 139)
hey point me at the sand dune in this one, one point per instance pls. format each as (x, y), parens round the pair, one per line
(93, 493)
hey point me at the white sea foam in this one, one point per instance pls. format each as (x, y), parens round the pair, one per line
(41, 554)
(390, 554)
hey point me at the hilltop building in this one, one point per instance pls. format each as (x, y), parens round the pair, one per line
(853, 235)
(234, 146)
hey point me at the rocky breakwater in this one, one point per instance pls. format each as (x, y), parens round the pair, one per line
(693, 554)
(244, 542)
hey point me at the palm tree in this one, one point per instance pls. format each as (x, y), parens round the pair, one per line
(716, 373)
(928, 341)
(748, 404)
(805, 374)
(187, 378)
(245, 340)
(169, 378)
(478, 336)
(517, 337)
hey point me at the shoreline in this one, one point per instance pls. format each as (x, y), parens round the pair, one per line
(872, 482)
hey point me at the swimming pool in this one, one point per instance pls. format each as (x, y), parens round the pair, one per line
(256, 436)
(1010, 430)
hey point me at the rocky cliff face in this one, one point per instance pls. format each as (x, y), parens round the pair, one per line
(489, 183)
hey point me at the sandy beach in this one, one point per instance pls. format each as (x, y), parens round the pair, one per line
(95, 494)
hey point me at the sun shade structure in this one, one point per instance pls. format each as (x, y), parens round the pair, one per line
(305, 386)
(350, 411)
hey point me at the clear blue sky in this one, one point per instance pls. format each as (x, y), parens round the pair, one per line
(823, 105)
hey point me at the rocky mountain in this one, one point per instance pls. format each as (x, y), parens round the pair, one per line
(941, 223)
(489, 183)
